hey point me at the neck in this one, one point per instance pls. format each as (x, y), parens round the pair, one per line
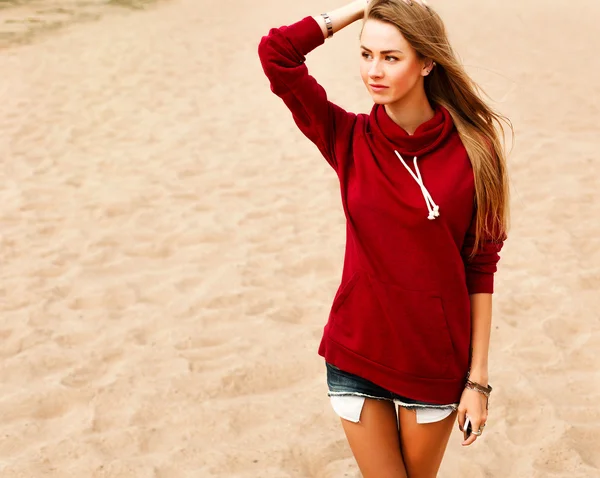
(410, 113)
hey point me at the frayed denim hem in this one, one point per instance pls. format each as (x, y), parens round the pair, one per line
(356, 394)
(409, 406)
(414, 406)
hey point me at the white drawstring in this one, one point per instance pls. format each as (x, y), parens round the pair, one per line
(432, 207)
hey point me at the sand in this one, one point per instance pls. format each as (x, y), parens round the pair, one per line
(171, 245)
(23, 21)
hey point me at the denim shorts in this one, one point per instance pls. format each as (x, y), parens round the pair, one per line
(342, 384)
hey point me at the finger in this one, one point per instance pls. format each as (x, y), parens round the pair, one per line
(461, 418)
(476, 424)
(469, 440)
(482, 421)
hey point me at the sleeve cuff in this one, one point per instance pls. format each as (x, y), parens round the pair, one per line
(478, 283)
(305, 35)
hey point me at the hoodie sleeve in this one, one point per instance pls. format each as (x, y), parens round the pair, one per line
(481, 268)
(282, 55)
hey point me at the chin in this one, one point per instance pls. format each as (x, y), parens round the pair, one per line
(378, 100)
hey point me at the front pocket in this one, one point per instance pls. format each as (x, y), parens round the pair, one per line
(344, 292)
(402, 329)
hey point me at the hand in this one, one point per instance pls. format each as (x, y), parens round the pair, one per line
(474, 404)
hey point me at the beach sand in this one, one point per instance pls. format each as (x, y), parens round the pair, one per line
(171, 245)
(23, 21)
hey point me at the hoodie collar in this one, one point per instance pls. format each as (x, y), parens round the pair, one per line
(426, 137)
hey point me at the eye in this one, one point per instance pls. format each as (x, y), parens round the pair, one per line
(391, 57)
(365, 54)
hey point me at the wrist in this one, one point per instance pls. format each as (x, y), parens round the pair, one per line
(479, 376)
(341, 17)
(358, 7)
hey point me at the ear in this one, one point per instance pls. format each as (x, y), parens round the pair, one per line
(428, 66)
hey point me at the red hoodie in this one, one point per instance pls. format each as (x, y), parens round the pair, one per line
(401, 315)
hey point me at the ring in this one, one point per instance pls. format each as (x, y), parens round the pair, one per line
(477, 432)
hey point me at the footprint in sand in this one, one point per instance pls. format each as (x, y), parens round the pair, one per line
(555, 458)
(523, 415)
(94, 371)
(87, 375)
(208, 353)
(46, 405)
(315, 463)
(580, 437)
(566, 334)
(290, 315)
(193, 343)
(254, 378)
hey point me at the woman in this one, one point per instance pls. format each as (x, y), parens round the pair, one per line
(424, 191)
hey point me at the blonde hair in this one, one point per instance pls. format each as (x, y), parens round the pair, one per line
(449, 85)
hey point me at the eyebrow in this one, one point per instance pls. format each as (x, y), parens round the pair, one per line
(384, 51)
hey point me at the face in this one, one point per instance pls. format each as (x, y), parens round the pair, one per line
(387, 59)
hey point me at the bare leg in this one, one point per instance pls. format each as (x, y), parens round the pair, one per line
(423, 445)
(375, 440)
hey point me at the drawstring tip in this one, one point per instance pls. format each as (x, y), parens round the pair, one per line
(434, 209)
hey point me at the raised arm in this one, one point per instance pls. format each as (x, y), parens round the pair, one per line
(343, 16)
(282, 55)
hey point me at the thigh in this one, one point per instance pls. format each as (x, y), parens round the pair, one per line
(423, 444)
(374, 440)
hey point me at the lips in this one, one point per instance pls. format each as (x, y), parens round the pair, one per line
(378, 88)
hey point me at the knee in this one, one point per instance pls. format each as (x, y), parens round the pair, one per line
(421, 475)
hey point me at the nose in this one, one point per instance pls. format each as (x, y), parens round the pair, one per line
(375, 71)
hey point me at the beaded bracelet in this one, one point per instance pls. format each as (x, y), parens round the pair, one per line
(479, 388)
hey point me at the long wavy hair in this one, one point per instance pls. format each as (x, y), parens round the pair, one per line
(478, 125)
